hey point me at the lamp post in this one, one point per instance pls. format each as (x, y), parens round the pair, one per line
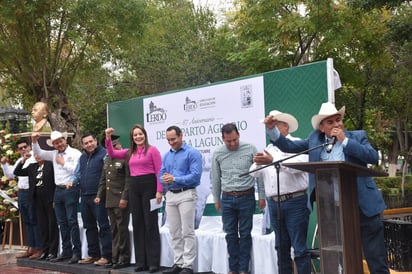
(17, 118)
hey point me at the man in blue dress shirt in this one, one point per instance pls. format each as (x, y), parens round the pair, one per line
(180, 174)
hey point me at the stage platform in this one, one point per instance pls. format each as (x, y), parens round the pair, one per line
(10, 265)
(79, 268)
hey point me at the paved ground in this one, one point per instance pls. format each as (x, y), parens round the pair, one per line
(14, 269)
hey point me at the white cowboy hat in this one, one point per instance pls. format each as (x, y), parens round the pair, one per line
(326, 110)
(286, 118)
(54, 135)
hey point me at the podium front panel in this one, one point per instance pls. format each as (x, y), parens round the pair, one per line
(338, 213)
(329, 222)
(338, 219)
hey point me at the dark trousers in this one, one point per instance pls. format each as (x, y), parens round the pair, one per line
(65, 208)
(373, 244)
(145, 222)
(92, 215)
(28, 216)
(291, 231)
(46, 222)
(237, 218)
(119, 223)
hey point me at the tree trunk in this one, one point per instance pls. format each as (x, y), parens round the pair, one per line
(393, 158)
(405, 171)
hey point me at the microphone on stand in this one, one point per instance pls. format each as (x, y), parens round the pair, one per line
(330, 144)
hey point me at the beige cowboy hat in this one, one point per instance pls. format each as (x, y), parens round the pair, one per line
(326, 110)
(286, 118)
(54, 135)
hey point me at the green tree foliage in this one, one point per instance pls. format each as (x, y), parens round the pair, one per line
(371, 4)
(180, 48)
(276, 34)
(45, 45)
(355, 40)
(392, 83)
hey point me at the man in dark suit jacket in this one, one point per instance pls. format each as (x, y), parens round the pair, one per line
(41, 191)
(351, 146)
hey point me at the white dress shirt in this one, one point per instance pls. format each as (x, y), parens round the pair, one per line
(291, 180)
(62, 174)
(22, 181)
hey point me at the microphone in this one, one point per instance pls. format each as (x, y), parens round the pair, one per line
(330, 144)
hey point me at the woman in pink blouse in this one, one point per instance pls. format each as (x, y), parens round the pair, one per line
(142, 182)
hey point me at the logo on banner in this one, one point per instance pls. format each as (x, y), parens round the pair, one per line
(209, 102)
(189, 105)
(246, 96)
(155, 114)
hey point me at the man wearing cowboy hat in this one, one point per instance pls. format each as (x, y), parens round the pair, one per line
(351, 146)
(291, 225)
(66, 199)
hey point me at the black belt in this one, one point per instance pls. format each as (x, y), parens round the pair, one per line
(288, 196)
(239, 193)
(178, 190)
(24, 189)
(61, 186)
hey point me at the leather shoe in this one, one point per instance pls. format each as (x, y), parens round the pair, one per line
(74, 259)
(60, 258)
(36, 254)
(140, 269)
(153, 269)
(186, 270)
(102, 261)
(88, 260)
(174, 270)
(51, 257)
(120, 265)
(43, 256)
(26, 254)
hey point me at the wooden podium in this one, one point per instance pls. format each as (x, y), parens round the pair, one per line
(338, 213)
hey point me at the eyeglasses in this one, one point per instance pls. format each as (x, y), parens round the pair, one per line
(22, 147)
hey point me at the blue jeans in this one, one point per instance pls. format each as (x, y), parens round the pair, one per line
(28, 215)
(237, 218)
(92, 215)
(293, 232)
(65, 207)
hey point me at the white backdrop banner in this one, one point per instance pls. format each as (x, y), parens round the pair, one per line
(201, 112)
